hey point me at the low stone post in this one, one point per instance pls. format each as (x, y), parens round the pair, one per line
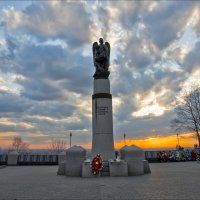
(74, 160)
(86, 169)
(147, 169)
(61, 168)
(61, 157)
(134, 156)
(61, 163)
(12, 158)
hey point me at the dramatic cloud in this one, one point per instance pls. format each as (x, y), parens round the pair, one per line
(60, 19)
(192, 61)
(46, 65)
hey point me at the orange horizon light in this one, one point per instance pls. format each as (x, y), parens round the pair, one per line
(170, 141)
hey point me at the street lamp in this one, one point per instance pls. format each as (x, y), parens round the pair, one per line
(70, 144)
(178, 140)
(124, 139)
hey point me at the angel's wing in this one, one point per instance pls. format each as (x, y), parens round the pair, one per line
(95, 44)
(108, 53)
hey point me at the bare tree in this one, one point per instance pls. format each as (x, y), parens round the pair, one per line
(57, 146)
(188, 112)
(19, 145)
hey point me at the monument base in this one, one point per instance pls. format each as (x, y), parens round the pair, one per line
(132, 163)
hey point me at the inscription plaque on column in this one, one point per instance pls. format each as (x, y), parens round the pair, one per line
(102, 110)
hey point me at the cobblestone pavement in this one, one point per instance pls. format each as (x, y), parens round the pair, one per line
(167, 181)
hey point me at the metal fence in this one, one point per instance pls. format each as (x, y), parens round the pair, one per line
(29, 159)
(37, 159)
(151, 156)
(3, 159)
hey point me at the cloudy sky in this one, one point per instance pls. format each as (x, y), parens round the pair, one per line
(46, 67)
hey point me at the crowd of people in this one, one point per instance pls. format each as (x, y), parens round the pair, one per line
(180, 154)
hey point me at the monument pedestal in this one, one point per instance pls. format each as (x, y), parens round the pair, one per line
(74, 159)
(102, 120)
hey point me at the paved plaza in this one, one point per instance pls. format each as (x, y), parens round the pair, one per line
(167, 181)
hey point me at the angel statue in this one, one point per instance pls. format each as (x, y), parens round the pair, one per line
(101, 57)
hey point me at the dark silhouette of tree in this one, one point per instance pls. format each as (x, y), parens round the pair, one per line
(57, 146)
(19, 145)
(188, 112)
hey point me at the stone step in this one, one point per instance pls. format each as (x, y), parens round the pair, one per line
(105, 170)
(105, 173)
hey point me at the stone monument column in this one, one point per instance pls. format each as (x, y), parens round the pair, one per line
(102, 119)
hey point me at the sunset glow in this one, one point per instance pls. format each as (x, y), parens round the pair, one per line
(185, 140)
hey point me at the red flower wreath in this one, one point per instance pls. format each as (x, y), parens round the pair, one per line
(96, 164)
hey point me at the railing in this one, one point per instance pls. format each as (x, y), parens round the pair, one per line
(3, 159)
(151, 156)
(29, 159)
(37, 159)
